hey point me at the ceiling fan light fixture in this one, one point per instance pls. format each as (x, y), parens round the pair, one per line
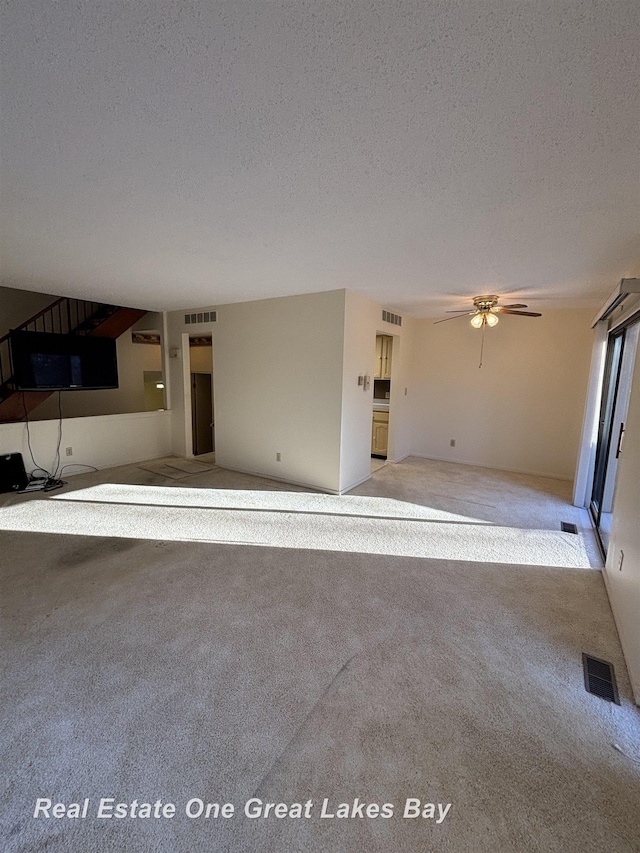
(477, 321)
(492, 319)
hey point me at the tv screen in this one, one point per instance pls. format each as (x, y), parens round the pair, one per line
(48, 362)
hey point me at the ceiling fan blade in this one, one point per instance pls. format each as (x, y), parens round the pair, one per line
(523, 313)
(454, 318)
(517, 305)
(463, 311)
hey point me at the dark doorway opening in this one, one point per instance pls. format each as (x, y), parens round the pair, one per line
(201, 413)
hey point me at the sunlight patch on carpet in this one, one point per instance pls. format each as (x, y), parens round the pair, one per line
(356, 524)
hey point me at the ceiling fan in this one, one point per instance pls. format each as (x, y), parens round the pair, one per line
(486, 310)
(485, 313)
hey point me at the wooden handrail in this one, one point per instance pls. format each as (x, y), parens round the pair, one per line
(40, 313)
(5, 369)
(35, 317)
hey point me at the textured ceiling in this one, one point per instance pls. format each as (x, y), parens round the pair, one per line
(175, 154)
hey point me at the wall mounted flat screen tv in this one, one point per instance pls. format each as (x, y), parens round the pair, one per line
(48, 362)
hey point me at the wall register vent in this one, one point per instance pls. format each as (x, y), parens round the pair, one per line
(568, 527)
(600, 679)
(388, 317)
(203, 317)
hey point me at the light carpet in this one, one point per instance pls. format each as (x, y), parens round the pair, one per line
(175, 468)
(159, 669)
(358, 524)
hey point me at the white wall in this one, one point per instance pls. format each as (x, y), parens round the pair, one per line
(150, 356)
(522, 411)
(151, 322)
(277, 386)
(101, 442)
(623, 584)
(363, 318)
(286, 381)
(286, 375)
(18, 306)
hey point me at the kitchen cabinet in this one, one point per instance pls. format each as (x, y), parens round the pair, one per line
(380, 433)
(384, 347)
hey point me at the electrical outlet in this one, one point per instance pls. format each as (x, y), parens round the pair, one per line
(69, 451)
(278, 457)
(452, 442)
(620, 561)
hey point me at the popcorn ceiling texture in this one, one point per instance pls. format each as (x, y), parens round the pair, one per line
(170, 153)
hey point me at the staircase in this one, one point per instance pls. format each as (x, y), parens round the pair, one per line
(63, 317)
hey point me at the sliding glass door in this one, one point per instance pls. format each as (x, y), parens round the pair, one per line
(621, 352)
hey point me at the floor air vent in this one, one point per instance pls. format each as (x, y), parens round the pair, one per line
(600, 679)
(567, 527)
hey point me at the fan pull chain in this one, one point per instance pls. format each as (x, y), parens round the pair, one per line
(481, 345)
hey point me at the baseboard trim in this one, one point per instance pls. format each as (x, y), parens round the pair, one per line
(635, 688)
(492, 467)
(353, 485)
(401, 458)
(264, 476)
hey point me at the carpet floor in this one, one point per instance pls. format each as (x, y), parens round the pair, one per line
(142, 668)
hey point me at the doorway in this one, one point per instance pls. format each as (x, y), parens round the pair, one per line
(202, 412)
(616, 389)
(381, 400)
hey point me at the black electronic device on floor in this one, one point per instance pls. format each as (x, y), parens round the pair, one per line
(13, 477)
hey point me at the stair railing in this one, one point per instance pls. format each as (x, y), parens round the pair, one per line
(65, 316)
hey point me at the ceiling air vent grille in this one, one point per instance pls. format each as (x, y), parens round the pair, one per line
(201, 317)
(388, 317)
(599, 678)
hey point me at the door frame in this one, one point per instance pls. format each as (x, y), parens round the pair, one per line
(186, 388)
(195, 412)
(607, 409)
(606, 431)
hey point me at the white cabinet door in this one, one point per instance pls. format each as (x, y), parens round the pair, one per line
(380, 433)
